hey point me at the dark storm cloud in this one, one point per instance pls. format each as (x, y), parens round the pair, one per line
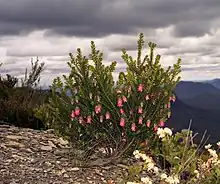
(96, 18)
(192, 50)
(191, 28)
(212, 68)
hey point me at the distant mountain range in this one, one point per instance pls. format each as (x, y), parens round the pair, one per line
(202, 120)
(202, 95)
(214, 82)
(190, 89)
(199, 101)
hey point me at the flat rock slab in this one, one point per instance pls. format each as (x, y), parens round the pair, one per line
(37, 157)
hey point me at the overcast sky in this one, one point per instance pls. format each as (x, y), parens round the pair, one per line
(50, 29)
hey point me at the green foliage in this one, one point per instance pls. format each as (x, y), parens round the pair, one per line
(180, 152)
(17, 103)
(158, 86)
(188, 162)
(95, 111)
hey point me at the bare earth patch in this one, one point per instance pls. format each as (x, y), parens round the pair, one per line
(40, 157)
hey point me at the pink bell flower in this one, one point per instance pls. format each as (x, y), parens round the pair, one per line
(140, 120)
(124, 99)
(80, 120)
(119, 102)
(147, 97)
(148, 123)
(107, 115)
(77, 111)
(98, 109)
(161, 124)
(140, 87)
(133, 127)
(101, 118)
(89, 119)
(72, 114)
(122, 122)
(122, 111)
(140, 110)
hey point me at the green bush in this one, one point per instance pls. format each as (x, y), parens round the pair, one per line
(114, 116)
(17, 103)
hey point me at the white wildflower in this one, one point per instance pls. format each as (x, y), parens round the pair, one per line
(163, 132)
(137, 156)
(160, 132)
(146, 180)
(196, 172)
(218, 144)
(176, 179)
(136, 152)
(168, 131)
(163, 176)
(213, 153)
(208, 146)
(150, 166)
(172, 180)
(146, 158)
(156, 170)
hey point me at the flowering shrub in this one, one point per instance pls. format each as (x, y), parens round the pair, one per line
(187, 165)
(115, 116)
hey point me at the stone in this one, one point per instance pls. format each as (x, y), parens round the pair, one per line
(74, 169)
(46, 148)
(33, 156)
(63, 142)
(14, 137)
(15, 144)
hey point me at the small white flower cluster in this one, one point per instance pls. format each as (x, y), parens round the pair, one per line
(148, 160)
(163, 132)
(214, 157)
(212, 152)
(210, 163)
(150, 165)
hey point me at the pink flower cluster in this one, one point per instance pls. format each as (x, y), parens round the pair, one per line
(121, 101)
(76, 114)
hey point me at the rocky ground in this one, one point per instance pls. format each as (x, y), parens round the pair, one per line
(40, 157)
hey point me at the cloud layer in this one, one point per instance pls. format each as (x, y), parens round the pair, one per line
(51, 29)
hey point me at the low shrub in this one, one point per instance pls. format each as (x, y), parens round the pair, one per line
(187, 163)
(117, 116)
(17, 102)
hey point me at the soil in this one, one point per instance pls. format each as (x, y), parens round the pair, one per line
(30, 156)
